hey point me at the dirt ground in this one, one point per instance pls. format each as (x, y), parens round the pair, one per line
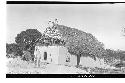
(18, 66)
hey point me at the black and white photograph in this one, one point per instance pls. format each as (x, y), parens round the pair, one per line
(65, 39)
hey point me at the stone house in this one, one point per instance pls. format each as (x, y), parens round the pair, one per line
(54, 55)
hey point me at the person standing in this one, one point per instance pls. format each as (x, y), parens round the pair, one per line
(37, 57)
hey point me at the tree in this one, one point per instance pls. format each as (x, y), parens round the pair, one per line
(13, 49)
(79, 43)
(27, 39)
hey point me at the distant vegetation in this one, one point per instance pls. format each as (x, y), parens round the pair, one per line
(112, 55)
(13, 50)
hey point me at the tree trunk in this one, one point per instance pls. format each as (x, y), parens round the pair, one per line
(78, 60)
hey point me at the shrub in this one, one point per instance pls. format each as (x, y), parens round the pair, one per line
(27, 56)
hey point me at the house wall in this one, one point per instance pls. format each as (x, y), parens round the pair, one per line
(62, 55)
(73, 60)
(89, 62)
(54, 52)
(55, 55)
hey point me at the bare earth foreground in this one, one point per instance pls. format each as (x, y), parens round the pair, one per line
(18, 66)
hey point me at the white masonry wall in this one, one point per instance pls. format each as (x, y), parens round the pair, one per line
(63, 54)
(56, 55)
(89, 62)
(54, 51)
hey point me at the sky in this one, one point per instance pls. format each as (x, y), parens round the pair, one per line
(104, 21)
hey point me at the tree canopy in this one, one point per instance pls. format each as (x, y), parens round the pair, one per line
(26, 39)
(78, 41)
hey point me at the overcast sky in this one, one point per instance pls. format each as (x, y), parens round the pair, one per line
(104, 21)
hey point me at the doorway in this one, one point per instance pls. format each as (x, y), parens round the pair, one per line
(45, 55)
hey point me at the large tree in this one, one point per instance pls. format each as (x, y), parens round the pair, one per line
(27, 39)
(79, 43)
